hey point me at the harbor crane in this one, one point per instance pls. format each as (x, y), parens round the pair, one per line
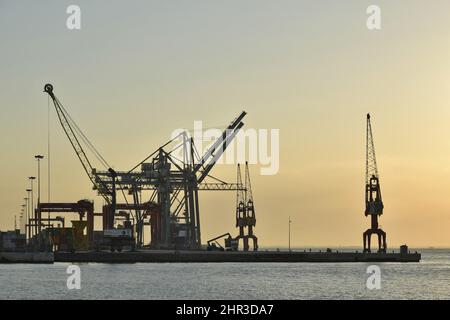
(374, 203)
(245, 217)
(245, 211)
(74, 134)
(172, 209)
(174, 184)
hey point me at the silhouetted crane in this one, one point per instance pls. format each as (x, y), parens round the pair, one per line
(374, 203)
(173, 208)
(74, 134)
(245, 210)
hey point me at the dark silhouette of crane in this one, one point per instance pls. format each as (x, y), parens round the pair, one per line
(74, 134)
(374, 203)
(172, 210)
(245, 211)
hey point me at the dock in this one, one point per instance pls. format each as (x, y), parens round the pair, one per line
(26, 257)
(161, 256)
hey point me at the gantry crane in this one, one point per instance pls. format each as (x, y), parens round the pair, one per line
(374, 203)
(172, 209)
(174, 184)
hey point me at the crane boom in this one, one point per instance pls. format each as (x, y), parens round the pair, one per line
(69, 131)
(374, 203)
(371, 159)
(219, 146)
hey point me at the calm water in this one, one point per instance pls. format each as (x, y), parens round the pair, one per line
(429, 279)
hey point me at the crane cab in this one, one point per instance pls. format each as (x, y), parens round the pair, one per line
(374, 204)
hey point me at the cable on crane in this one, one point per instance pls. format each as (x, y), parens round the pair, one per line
(84, 138)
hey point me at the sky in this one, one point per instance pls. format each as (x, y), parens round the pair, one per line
(138, 70)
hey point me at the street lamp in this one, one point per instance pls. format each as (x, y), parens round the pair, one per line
(289, 233)
(22, 212)
(27, 221)
(32, 204)
(39, 157)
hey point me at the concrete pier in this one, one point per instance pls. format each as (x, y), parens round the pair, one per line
(220, 256)
(26, 257)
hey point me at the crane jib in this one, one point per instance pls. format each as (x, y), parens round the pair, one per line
(64, 117)
(230, 131)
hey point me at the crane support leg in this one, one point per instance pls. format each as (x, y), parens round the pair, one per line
(381, 240)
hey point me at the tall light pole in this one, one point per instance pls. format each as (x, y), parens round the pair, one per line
(22, 221)
(289, 233)
(32, 204)
(27, 221)
(39, 157)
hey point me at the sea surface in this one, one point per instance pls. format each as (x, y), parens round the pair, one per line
(429, 279)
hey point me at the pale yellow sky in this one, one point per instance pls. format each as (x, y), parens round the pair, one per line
(312, 69)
